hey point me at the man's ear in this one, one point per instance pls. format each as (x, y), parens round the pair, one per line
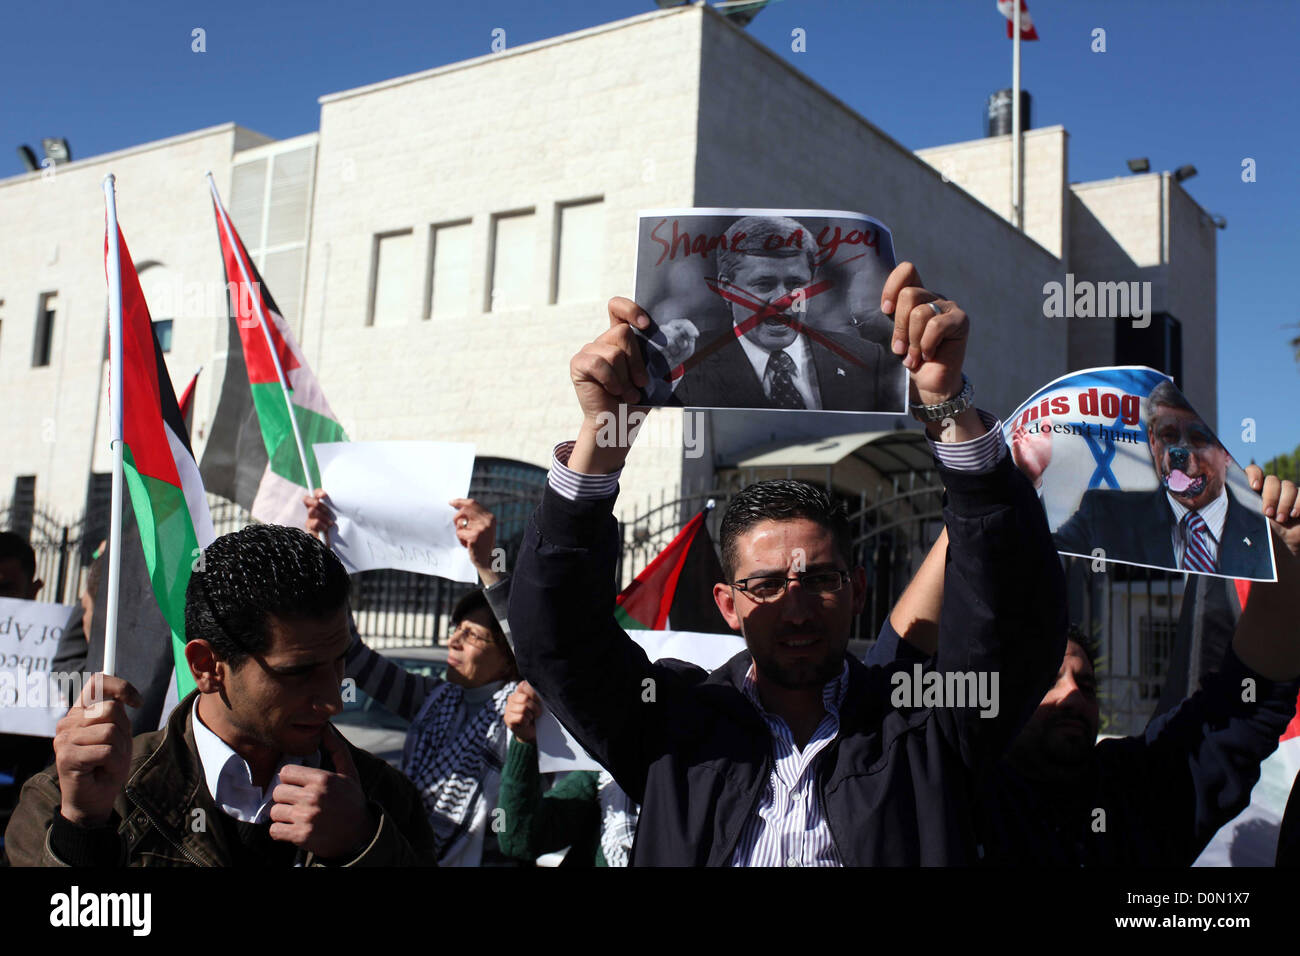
(858, 579)
(208, 671)
(725, 598)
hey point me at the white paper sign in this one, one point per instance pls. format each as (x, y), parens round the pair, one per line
(30, 702)
(556, 748)
(390, 502)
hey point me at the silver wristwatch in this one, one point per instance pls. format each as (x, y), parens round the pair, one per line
(949, 409)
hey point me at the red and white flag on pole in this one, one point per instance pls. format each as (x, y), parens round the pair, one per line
(1027, 31)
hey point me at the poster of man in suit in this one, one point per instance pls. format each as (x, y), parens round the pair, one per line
(1129, 472)
(768, 309)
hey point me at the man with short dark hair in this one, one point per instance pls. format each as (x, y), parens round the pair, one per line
(248, 770)
(792, 753)
(777, 363)
(18, 568)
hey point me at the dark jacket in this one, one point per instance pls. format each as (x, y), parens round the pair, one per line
(873, 381)
(688, 746)
(1137, 527)
(1163, 794)
(158, 820)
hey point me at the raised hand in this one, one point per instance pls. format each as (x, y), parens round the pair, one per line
(1281, 504)
(320, 519)
(607, 373)
(523, 707)
(476, 529)
(1032, 451)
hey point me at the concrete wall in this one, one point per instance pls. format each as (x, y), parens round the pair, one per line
(982, 167)
(608, 112)
(52, 240)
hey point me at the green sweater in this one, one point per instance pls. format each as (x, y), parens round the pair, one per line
(530, 823)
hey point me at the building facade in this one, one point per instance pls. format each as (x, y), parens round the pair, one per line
(447, 240)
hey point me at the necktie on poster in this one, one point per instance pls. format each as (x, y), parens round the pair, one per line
(1121, 460)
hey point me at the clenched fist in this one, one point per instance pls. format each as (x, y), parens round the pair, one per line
(323, 812)
(92, 749)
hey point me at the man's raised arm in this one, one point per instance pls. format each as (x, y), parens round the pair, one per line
(595, 679)
(1003, 609)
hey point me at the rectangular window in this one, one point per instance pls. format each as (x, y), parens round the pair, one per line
(512, 261)
(23, 506)
(390, 290)
(449, 247)
(44, 343)
(162, 329)
(579, 262)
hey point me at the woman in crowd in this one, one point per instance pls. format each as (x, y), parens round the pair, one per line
(456, 744)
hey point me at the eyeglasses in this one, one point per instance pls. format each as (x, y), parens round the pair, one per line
(468, 635)
(768, 587)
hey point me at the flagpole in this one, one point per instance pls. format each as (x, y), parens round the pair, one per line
(266, 331)
(114, 269)
(1017, 197)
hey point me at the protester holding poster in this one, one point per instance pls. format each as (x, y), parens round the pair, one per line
(1145, 479)
(767, 309)
(1060, 797)
(772, 758)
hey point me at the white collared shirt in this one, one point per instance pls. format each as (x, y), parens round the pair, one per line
(1214, 515)
(805, 376)
(788, 827)
(229, 779)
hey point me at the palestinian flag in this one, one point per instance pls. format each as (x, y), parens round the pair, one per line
(675, 591)
(187, 402)
(252, 457)
(168, 505)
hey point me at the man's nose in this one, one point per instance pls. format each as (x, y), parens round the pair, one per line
(795, 603)
(330, 696)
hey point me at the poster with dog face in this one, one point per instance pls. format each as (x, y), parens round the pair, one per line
(1128, 472)
(767, 308)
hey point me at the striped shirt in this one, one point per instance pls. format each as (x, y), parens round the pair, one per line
(789, 826)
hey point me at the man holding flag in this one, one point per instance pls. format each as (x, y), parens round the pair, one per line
(258, 622)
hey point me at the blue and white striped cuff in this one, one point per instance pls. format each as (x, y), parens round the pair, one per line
(978, 454)
(574, 485)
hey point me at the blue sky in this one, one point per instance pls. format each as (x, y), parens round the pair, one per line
(1181, 81)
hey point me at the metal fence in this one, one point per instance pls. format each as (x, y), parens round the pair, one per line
(392, 608)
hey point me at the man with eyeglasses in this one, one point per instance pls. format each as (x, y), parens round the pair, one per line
(792, 753)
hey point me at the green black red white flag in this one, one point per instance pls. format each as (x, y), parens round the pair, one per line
(675, 590)
(271, 410)
(152, 459)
